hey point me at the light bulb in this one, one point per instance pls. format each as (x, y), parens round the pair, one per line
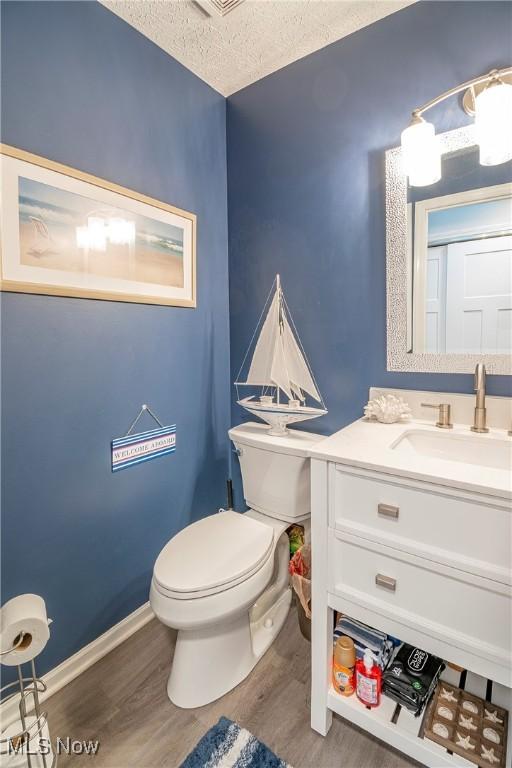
(421, 153)
(493, 123)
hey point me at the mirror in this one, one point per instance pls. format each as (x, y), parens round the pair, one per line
(461, 251)
(449, 263)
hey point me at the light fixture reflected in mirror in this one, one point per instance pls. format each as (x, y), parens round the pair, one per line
(489, 99)
(99, 231)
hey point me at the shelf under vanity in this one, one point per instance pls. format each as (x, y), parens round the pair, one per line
(440, 533)
(398, 727)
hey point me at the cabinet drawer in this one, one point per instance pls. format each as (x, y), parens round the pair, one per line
(474, 612)
(459, 532)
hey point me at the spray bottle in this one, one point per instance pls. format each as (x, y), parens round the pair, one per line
(368, 680)
(344, 661)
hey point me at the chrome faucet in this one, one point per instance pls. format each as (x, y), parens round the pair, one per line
(479, 422)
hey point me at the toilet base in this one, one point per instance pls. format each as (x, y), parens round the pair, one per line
(210, 662)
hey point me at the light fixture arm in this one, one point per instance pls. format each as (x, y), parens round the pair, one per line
(494, 74)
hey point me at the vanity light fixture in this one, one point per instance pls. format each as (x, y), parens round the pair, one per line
(488, 99)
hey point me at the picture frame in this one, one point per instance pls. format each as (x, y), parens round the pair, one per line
(64, 232)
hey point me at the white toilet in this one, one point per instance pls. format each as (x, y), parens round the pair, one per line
(223, 581)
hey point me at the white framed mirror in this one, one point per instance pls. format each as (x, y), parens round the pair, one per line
(449, 263)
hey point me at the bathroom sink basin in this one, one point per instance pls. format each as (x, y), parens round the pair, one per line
(479, 450)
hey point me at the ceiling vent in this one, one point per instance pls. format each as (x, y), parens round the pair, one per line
(218, 7)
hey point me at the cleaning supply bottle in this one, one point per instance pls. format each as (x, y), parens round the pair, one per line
(343, 663)
(368, 680)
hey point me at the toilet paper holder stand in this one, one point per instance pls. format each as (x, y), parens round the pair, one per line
(29, 741)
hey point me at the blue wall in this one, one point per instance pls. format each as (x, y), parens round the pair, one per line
(306, 188)
(82, 87)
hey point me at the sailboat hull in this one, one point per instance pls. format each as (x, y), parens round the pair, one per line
(278, 416)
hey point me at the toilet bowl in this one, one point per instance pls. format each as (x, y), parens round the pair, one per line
(222, 581)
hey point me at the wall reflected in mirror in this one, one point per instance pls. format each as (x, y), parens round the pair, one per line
(460, 259)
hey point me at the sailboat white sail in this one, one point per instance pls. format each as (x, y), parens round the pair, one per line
(279, 365)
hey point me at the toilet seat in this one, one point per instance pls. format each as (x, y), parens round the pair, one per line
(213, 555)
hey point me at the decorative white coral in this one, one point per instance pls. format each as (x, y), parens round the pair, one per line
(387, 409)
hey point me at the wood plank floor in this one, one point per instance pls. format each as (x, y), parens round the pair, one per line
(122, 701)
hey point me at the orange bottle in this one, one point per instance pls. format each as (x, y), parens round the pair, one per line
(343, 664)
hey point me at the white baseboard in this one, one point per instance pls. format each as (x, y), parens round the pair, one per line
(64, 673)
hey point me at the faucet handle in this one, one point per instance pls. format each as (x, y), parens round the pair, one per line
(480, 372)
(444, 414)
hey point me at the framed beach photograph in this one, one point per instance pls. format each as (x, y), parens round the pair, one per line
(67, 233)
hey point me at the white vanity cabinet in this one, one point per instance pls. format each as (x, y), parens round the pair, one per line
(427, 563)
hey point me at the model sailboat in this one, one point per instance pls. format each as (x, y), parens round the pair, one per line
(279, 367)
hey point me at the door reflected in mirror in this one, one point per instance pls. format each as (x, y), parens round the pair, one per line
(460, 259)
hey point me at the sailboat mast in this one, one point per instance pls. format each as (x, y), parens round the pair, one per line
(280, 318)
(279, 302)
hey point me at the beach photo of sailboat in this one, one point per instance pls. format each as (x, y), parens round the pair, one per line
(60, 230)
(67, 233)
(278, 368)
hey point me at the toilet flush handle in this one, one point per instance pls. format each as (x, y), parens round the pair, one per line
(238, 451)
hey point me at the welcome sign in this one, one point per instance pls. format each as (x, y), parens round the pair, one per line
(135, 449)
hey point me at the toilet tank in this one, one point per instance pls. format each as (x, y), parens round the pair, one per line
(275, 470)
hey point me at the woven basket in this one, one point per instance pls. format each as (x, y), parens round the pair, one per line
(304, 622)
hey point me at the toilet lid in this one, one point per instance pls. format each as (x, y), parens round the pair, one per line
(213, 552)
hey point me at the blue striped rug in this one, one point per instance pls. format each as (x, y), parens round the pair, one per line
(227, 745)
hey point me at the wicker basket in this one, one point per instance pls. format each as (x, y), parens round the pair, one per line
(304, 622)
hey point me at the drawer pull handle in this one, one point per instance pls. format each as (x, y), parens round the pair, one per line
(386, 510)
(385, 581)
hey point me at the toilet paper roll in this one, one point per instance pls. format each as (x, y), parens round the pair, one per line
(37, 743)
(23, 614)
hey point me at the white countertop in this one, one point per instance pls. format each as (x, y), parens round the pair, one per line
(368, 445)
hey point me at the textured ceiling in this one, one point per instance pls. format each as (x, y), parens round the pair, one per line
(256, 38)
